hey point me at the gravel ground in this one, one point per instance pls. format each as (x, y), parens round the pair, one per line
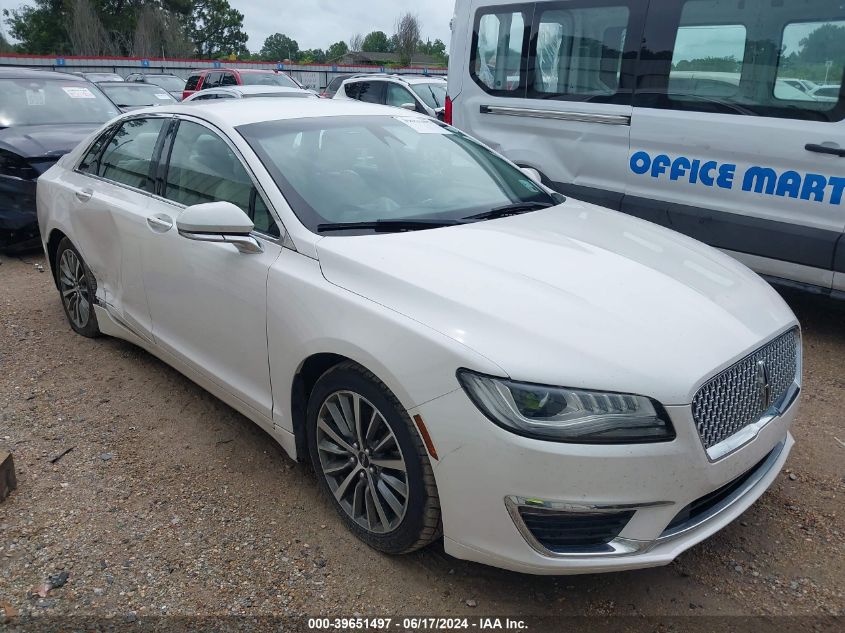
(169, 502)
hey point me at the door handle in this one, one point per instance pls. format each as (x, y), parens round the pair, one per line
(84, 195)
(825, 149)
(160, 223)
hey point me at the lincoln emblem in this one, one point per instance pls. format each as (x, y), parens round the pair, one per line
(763, 386)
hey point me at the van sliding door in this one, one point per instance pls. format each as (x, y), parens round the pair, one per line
(737, 135)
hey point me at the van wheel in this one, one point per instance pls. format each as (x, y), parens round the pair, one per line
(370, 461)
(77, 287)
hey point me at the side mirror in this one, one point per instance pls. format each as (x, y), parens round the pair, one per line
(218, 222)
(533, 174)
(409, 106)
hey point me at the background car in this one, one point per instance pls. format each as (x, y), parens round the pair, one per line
(331, 89)
(43, 115)
(98, 77)
(246, 92)
(173, 84)
(220, 77)
(128, 95)
(423, 94)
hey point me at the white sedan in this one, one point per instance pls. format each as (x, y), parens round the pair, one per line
(551, 386)
(248, 92)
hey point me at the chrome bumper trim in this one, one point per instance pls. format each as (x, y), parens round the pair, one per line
(580, 117)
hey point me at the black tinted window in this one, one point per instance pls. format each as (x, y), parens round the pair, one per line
(192, 83)
(127, 158)
(228, 80)
(212, 80)
(371, 92)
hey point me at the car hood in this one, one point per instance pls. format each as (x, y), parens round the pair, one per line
(35, 141)
(575, 295)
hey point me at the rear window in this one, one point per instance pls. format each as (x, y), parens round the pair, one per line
(192, 83)
(37, 101)
(267, 79)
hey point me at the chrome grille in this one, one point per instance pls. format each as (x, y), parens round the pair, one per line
(737, 397)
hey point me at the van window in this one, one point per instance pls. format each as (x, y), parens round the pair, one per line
(812, 61)
(579, 50)
(758, 58)
(499, 45)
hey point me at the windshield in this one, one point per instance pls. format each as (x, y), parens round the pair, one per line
(433, 94)
(137, 95)
(171, 84)
(267, 79)
(42, 101)
(369, 168)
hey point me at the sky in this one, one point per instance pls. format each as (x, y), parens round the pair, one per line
(319, 23)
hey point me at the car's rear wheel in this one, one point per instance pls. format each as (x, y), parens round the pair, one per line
(370, 461)
(77, 287)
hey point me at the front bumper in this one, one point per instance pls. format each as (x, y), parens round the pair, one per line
(485, 473)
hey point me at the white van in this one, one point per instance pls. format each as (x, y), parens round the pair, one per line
(722, 119)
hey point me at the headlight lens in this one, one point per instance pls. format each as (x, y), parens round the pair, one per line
(567, 415)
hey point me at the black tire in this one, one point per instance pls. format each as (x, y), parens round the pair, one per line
(77, 288)
(420, 523)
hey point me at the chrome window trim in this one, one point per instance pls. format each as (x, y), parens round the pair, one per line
(580, 117)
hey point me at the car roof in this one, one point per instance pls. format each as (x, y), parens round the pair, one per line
(26, 73)
(235, 112)
(133, 84)
(407, 79)
(252, 90)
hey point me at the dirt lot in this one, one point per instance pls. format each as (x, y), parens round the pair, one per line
(169, 502)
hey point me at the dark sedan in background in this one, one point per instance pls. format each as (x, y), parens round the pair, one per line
(43, 115)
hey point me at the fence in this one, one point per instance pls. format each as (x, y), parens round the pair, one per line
(315, 76)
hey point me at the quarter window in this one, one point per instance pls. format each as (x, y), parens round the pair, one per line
(203, 168)
(90, 162)
(128, 157)
(498, 49)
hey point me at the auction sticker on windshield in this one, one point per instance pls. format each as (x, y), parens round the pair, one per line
(421, 125)
(78, 93)
(161, 95)
(35, 97)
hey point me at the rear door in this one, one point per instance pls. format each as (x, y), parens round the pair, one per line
(112, 187)
(727, 147)
(549, 84)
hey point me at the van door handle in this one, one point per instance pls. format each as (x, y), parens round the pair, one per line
(160, 223)
(84, 195)
(825, 149)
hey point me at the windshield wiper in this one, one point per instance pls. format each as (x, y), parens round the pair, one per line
(387, 226)
(510, 209)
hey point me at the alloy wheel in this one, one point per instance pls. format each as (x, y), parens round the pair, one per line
(74, 287)
(362, 461)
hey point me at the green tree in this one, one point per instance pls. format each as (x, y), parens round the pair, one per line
(825, 43)
(336, 50)
(312, 56)
(376, 42)
(278, 47)
(216, 29)
(40, 29)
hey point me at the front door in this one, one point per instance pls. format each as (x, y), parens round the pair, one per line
(208, 301)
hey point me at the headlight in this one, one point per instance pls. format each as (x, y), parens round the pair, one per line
(567, 415)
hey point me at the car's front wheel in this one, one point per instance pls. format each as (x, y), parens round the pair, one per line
(77, 287)
(370, 461)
